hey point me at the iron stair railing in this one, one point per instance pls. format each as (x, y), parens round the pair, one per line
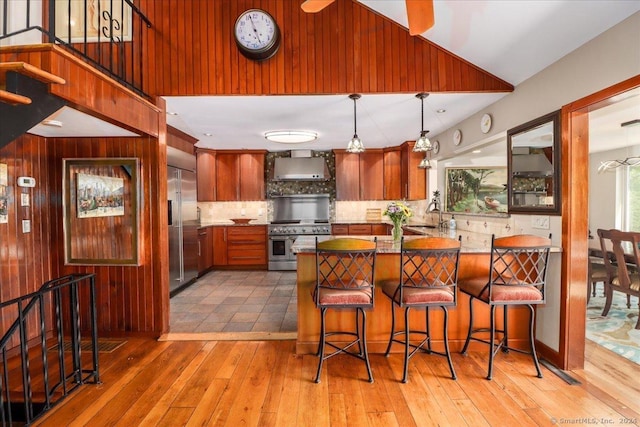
(108, 34)
(65, 303)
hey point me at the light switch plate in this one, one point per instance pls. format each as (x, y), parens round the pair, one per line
(26, 226)
(24, 199)
(540, 222)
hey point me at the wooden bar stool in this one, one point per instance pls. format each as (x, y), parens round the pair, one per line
(345, 281)
(428, 278)
(517, 276)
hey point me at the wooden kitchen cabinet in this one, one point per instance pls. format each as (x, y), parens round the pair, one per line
(377, 229)
(240, 246)
(205, 250)
(414, 179)
(247, 245)
(206, 175)
(359, 176)
(219, 246)
(392, 167)
(238, 175)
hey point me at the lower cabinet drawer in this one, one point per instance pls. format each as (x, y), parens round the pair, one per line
(247, 256)
(360, 229)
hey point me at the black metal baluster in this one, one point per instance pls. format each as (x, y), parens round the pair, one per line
(94, 329)
(75, 333)
(60, 327)
(24, 355)
(45, 360)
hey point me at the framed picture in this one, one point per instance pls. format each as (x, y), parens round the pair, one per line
(476, 190)
(100, 207)
(104, 20)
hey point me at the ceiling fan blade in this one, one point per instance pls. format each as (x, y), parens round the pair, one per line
(313, 6)
(420, 16)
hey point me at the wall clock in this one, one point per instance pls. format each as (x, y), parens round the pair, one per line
(457, 137)
(485, 123)
(436, 147)
(257, 34)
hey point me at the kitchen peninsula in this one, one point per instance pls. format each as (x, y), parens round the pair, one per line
(474, 258)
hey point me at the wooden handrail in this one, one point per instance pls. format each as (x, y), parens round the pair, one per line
(13, 98)
(28, 70)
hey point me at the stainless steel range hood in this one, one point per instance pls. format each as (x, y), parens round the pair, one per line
(300, 167)
(532, 164)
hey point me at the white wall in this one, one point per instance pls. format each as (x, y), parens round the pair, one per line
(608, 59)
(17, 20)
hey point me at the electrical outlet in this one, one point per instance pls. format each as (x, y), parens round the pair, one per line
(540, 221)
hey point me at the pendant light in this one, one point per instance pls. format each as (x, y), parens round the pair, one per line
(355, 144)
(422, 143)
(425, 163)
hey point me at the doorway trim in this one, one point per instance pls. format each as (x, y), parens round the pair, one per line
(575, 203)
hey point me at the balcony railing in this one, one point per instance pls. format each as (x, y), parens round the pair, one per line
(48, 321)
(109, 34)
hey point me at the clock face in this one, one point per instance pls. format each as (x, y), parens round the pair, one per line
(257, 34)
(485, 123)
(436, 147)
(457, 137)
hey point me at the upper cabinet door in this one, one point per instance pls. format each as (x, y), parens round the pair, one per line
(534, 166)
(227, 177)
(347, 175)
(206, 171)
(371, 175)
(252, 176)
(392, 174)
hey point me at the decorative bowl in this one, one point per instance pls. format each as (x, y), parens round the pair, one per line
(241, 220)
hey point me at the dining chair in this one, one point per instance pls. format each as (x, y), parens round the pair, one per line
(516, 277)
(428, 278)
(623, 267)
(344, 281)
(597, 274)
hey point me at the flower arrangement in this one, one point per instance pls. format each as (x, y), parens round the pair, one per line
(398, 213)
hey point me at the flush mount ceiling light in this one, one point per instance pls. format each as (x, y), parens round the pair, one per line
(422, 143)
(291, 136)
(355, 145)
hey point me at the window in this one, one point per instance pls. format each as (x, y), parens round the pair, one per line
(630, 197)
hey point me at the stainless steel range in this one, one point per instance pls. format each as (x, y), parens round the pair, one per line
(293, 216)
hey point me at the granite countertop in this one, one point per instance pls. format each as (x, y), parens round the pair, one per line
(471, 242)
(227, 222)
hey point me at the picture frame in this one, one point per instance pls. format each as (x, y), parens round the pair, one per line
(101, 211)
(476, 190)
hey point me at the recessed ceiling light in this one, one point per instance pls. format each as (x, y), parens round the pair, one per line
(291, 136)
(172, 113)
(208, 134)
(54, 123)
(476, 151)
(441, 110)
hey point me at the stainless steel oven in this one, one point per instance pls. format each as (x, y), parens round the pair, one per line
(282, 236)
(293, 216)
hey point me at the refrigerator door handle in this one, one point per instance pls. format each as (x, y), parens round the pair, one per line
(170, 211)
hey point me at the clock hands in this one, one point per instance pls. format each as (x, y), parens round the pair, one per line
(255, 30)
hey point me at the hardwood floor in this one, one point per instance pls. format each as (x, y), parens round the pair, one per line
(264, 383)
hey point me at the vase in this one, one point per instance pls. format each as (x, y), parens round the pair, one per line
(396, 231)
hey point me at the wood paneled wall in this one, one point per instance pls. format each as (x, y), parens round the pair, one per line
(129, 297)
(345, 48)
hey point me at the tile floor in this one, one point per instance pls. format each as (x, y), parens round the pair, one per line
(237, 301)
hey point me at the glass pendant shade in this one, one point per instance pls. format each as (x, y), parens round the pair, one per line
(425, 164)
(422, 144)
(355, 144)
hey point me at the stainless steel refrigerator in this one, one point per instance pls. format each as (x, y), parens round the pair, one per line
(183, 227)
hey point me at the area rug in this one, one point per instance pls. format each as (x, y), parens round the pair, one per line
(616, 331)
